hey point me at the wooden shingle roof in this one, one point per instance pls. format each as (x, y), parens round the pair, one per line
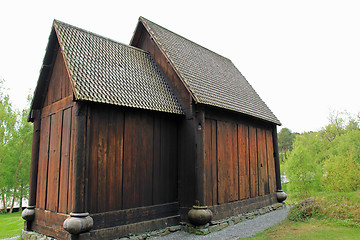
(211, 78)
(102, 70)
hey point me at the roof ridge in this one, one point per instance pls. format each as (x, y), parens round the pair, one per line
(145, 19)
(58, 22)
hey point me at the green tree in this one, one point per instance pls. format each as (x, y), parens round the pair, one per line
(15, 151)
(285, 141)
(7, 129)
(302, 167)
(342, 168)
(328, 159)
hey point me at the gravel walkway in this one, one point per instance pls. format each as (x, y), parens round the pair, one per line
(243, 229)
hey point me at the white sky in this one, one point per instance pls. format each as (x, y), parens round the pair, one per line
(302, 57)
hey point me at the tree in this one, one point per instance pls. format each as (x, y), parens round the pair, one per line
(327, 160)
(15, 151)
(342, 168)
(285, 141)
(302, 167)
(7, 128)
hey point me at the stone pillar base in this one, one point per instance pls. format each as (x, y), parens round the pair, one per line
(78, 223)
(29, 213)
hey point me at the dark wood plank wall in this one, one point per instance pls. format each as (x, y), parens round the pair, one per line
(132, 158)
(187, 152)
(59, 86)
(55, 149)
(239, 161)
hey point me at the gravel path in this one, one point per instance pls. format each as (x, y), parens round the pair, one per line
(243, 229)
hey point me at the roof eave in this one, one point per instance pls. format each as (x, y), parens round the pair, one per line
(45, 71)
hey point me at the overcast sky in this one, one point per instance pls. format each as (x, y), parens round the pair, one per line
(302, 57)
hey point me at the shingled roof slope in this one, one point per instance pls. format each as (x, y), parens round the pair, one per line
(212, 79)
(105, 71)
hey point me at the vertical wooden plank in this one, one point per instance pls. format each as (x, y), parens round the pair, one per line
(243, 148)
(271, 161)
(102, 159)
(210, 163)
(43, 162)
(253, 162)
(114, 161)
(93, 158)
(71, 162)
(208, 196)
(169, 159)
(65, 159)
(54, 162)
(119, 156)
(227, 162)
(165, 160)
(262, 163)
(157, 179)
(111, 161)
(235, 161)
(137, 180)
(214, 162)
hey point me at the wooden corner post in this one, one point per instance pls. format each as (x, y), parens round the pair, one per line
(29, 213)
(281, 195)
(79, 220)
(200, 214)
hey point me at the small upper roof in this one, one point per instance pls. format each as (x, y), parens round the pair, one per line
(211, 78)
(105, 71)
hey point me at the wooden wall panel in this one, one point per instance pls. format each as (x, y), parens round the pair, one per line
(43, 163)
(132, 159)
(115, 160)
(158, 194)
(227, 162)
(59, 85)
(254, 180)
(237, 155)
(94, 122)
(54, 162)
(271, 161)
(102, 160)
(55, 153)
(65, 161)
(71, 164)
(165, 161)
(244, 171)
(210, 163)
(262, 163)
(138, 160)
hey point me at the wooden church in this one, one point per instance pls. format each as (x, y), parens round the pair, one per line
(127, 138)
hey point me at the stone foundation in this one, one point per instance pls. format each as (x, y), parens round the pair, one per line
(217, 225)
(213, 226)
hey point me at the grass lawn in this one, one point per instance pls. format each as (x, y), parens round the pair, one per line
(11, 225)
(324, 216)
(313, 229)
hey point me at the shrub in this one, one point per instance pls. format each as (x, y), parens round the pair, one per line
(304, 210)
(343, 208)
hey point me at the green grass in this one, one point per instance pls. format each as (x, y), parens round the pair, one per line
(312, 229)
(11, 225)
(323, 216)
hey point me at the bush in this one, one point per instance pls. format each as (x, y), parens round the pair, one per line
(343, 208)
(304, 210)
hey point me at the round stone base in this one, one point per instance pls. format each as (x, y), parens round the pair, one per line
(78, 223)
(29, 213)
